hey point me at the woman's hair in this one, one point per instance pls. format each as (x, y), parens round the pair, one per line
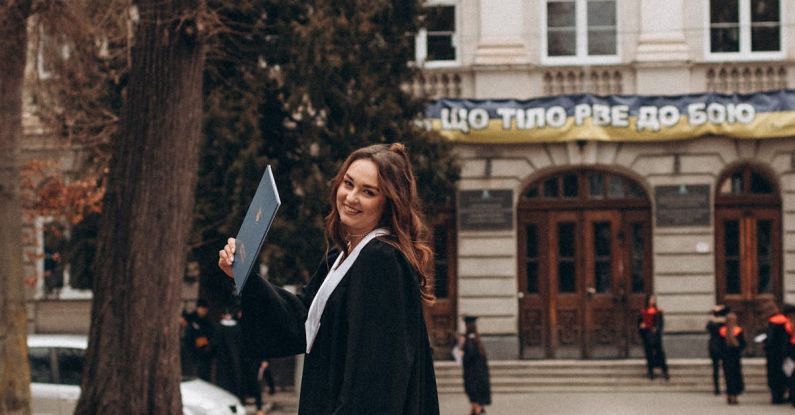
(401, 216)
(731, 323)
(649, 297)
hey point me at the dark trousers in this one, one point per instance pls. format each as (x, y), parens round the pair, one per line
(715, 357)
(655, 355)
(204, 369)
(267, 376)
(776, 380)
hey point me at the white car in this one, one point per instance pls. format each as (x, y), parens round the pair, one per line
(56, 366)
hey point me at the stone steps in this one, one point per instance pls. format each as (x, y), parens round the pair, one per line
(687, 375)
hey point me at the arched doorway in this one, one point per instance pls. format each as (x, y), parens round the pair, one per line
(747, 243)
(584, 264)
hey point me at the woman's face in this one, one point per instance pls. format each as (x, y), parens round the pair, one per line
(360, 200)
(652, 301)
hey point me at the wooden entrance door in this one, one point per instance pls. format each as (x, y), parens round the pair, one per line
(441, 315)
(605, 298)
(748, 268)
(584, 277)
(584, 239)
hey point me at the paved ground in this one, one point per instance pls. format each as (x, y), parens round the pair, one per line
(617, 404)
(590, 404)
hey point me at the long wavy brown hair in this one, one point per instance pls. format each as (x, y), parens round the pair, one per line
(402, 217)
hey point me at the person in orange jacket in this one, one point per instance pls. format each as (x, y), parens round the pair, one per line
(779, 331)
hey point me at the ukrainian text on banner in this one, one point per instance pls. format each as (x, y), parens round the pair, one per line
(615, 118)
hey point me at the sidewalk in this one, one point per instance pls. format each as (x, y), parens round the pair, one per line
(557, 403)
(622, 403)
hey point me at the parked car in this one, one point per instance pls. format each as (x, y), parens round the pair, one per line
(56, 367)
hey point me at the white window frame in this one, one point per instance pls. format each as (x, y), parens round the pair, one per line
(745, 53)
(581, 25)
(421, 40)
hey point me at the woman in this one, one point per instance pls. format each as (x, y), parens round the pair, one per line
(733, 346)
(476, 369)
(715, 344)
(650, 327)
(359, 319)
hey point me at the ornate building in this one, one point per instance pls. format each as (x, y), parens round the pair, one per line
(611, 149)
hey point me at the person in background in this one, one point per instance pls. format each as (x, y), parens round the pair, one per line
(789, 361)
(733, 346)
(360, 318)
(779, 331)
(226, 346)
(252, 367)
(650, 327)
(715, 345)
(476, 369)
(198, 334)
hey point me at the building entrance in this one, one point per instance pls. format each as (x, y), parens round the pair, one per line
(585, 264)
(748, 246)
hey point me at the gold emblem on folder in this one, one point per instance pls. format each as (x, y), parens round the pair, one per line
(259, 215)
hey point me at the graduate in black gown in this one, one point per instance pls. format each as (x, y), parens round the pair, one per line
(360, 318)
(733, 346)
(476, 368)
(715, 344)
(226, 346)
(779, 331)
(650, 327)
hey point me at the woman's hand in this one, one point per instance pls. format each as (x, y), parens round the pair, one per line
(226, 256)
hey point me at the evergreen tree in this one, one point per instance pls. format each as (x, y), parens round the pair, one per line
(299, 85)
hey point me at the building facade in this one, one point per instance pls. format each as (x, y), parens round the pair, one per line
(557, 239)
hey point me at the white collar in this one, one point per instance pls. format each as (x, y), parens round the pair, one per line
(333, 278)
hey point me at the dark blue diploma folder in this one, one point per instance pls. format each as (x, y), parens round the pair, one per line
(258, 220)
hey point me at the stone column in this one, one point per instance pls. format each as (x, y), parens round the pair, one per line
(501, 59)
(662, 52)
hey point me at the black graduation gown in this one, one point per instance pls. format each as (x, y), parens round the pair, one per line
(198, 352)
(732, 365)
(226, 346)
(476, 374)
(776, 345)
(371, 354)
(715, 348)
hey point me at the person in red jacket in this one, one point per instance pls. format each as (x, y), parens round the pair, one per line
(650, 327)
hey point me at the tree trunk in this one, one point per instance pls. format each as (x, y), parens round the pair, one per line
(133, 353)
(14, 369)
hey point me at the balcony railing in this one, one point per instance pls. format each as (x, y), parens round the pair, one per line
(435, 84)
(744, 78)
(606, 81)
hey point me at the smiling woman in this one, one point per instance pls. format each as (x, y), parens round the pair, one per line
(359, 201)
(359, 319)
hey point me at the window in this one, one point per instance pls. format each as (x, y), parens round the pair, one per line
(436, 41)
(750, 27)
(588, 185)
(440, 262)
(70, 366)
(577, 29)
(40, 367)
